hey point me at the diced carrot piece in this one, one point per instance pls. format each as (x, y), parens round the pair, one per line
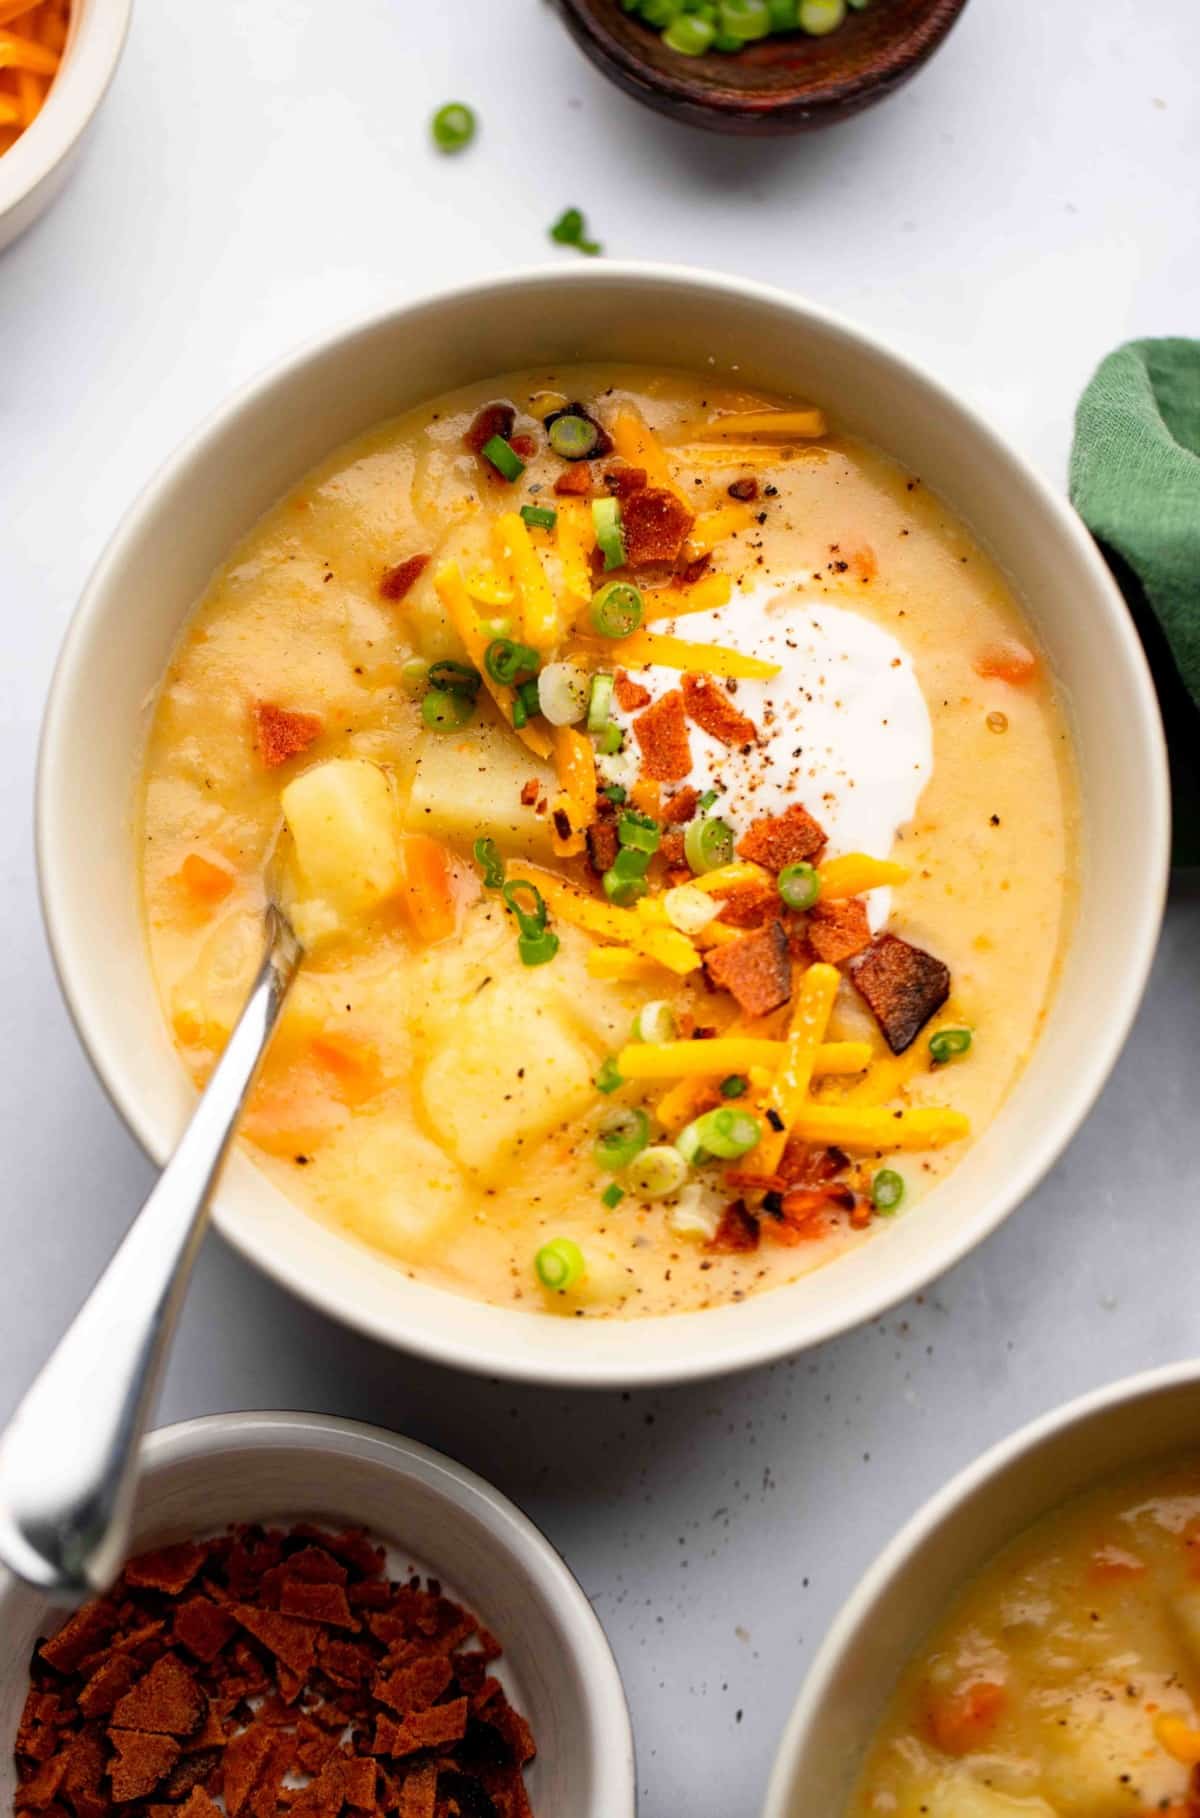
(428, 887)
(353, 1063)
(962, 1720)
(1007, 661)
(206, 882)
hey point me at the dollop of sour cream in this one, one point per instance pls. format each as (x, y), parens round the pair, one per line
(843, 728)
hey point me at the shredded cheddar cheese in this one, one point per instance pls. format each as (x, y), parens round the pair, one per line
(856, 872)
(880, 1128)
(30, 54)
(778, 425)
(704, 595)
(636, 442)
(732, 1054)
(713, 527)
(517, 557)
(575, 538)
(621, 966)
(643, 648)
(456, 602)
(623, 927)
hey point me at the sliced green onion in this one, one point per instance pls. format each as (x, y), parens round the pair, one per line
(612, 740)
(617, 609)
(799, 885)
(505, 661)
(606, 517)
(639, 832)
(690, 34)
(947, 1044)
(655, 1022)
(689, 1145)
(817, 17)
(455, 678)
(487, 857)
(599, 703)
(745, 18)
(559, 1264)
(453, 126)
(536, 949)
(444, 711)
(660, 12)
(572, 437)
(612, 1195)
(725, 41)
(887, 1190)
(708, 844)
(539, 517)
(496, 628)
(734, 1085)
(608, 1079)
(527, 704)
(657, 1172)
(571, 230)
(503, 458)
(625, 880)
(785, 15)
(414, 675)
(707, 799)
(727, 1133)
(623, 1134)
(616, 794)
(530, 914)
(562, 693)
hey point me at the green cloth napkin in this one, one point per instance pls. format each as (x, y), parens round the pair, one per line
(1135, 481)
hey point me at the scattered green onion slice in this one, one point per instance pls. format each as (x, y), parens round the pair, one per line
(691, 34)
(734, 1085)
(689, 1145)
(539, 517)
(616, 793)
(625, 880)
(727, 1132)
(887, 1190)
(530, 912)
(606, 517)
(608, 1079)
(657, 1172)
(612, 1195)
(947, 1044)
(506, 661)
(455, 678)
(612, 740)
(745, 18)
(562, 693)
(708, 844)
(655, 1022)
(496, 628)
(559, 1264)
(785, 15)
(487, 857)
(572, 437)
(639, 832)
(536, 949)
(503, 458)
(818, 17)
(571, 230)
(527, 704)
(707, 799)
(599, 703)
(623, 1134)
(445, 710)
(617, 609)
(414, 675)
(453, 126)
(799, 885)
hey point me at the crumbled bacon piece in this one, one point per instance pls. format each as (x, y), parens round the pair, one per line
(316, 1602)
(574, 482)
(396, 582)
(621, 481)
(688, 573)
(681, 806)
(737, 1231)
(783, 839)
(656, 525)
(169, 1569)
(434, 1728)
(283, 733)
(603, 845)
(530, 790)
(838, 930)
(662, 733)
(628, 694)
(673, 850)
(744, 490)
(713, 711)
(492, 420)
(140, 1762)
(756, 969)
(167, 1701)
(750, 905)
(903, 986)
(523, 445)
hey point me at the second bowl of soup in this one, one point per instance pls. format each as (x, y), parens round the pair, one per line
(686, 790)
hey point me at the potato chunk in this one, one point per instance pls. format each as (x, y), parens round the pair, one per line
(507, 1072)
(1101, 1760)
(467, 786)
(960, 1795)
(343, 821)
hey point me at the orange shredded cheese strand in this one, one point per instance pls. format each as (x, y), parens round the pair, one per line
(643, 648)
(456, 601)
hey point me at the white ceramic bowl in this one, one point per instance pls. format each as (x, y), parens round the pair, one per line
(34, 170)
(262, 441)
(557, 1668)
(909, 1587)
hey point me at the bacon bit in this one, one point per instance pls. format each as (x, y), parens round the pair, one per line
(603, 844)
(426, 1729)
(492, 420)
(961, 1721)
(656, 525)
(713, 711)
(628, 694)
(745, 490)
(202, 1628)
(1007, 661)
(79, 1636)
(316, 1603)
(523, 445)
(804, 1166)
(681, 806)
(419, 1796)
(750, 906)
(737, 1232)
(167, 1701)
(673, 850)
(140, 1763)
(169, 1569)
(530, 792)
(574, 482)
(282, 733)
(621, 481)
(688, 573)
(662, 733)
(416, 1687)
(783, 839)
(290, 1641)
(838, 930)
(903, 987)
(395, 582)
(803, 1216)
(756, 969)
(111, 1680)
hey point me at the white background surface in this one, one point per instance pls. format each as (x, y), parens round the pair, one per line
(261, 171)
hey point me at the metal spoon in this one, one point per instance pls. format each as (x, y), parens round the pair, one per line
(68, 1460)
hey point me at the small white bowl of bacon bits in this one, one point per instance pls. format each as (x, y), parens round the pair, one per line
(57, 58)
(318, 1618)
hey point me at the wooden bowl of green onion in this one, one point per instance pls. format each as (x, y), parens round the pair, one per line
(759, 67)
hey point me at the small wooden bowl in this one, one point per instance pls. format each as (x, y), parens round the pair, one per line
(781, 85)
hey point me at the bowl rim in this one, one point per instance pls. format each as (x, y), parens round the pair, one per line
(923, 1526)
(99, 29)
(746, 1346)
(512, 1532)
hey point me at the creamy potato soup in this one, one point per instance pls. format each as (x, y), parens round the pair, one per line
(677, 813)
(1065, 1682)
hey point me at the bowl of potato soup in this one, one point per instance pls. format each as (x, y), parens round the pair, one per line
(716, 785)
(1029, 1645)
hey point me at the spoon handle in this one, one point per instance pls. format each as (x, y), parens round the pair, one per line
(68, 1461)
